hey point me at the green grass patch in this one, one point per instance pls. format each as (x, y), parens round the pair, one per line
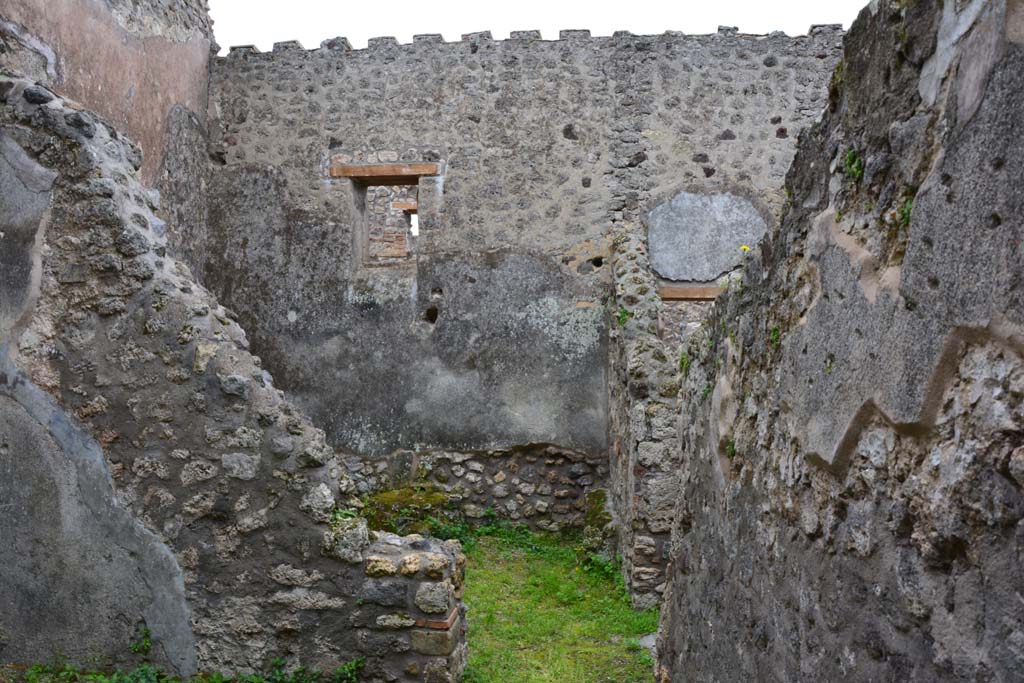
(147, 673)
(543, 611)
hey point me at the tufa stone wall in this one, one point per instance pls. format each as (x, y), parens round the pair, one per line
(850, 480)
(214, 494)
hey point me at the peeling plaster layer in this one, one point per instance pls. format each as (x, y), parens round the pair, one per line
(132, 78)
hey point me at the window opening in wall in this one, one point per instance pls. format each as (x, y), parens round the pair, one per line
(386, 198)
(391, 224)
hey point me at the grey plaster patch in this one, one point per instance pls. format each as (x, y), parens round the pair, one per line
(66, 541)
(953, 27)
(25, 188)
(698, 237)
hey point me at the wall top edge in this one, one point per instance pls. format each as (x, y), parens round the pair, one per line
(571, 36)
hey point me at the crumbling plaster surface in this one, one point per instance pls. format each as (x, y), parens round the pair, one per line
(132, 62)
(517, 353)
(81, 574)
(513, 332)
(850, 470)
(27, 189)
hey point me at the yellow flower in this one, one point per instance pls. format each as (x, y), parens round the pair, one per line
(744, 248)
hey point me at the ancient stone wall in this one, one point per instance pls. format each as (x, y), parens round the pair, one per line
(195, 500)
(493, 332)
(490, 333)
(713, 122)
(850, 482)
(544, 487)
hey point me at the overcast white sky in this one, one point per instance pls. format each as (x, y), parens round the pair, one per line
(264, 22)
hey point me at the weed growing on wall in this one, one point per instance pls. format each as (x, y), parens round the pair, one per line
(144, 644)
(904, 214)
(853, 165)
(684, 364)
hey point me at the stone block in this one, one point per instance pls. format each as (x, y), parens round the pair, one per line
(381, 566)
(434, 598)
(394, 622)
(698, 237)
(346, 540)
(387, 592)
(435, 642)
(381, 644)
(240, 465)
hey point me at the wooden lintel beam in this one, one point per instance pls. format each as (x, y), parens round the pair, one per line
(404, 206)
(689, 292)
(385, 171)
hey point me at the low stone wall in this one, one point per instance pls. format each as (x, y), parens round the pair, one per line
(544, 487)
(408, 618)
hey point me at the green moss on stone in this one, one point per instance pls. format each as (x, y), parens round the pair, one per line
(596, 515)
(406, 510)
